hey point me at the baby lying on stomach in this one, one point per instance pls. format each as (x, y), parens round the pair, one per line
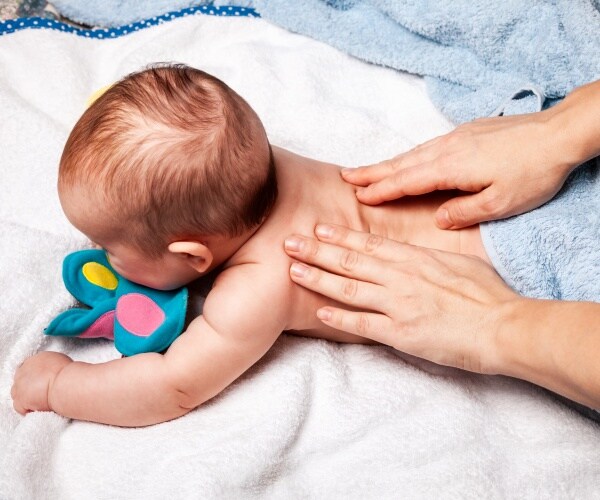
(171, 172)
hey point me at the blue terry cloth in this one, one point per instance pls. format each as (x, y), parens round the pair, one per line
(479, 57)
(553, 252)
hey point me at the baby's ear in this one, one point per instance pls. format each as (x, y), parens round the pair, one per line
(197, 254)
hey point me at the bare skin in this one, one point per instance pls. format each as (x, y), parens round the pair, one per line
(251, 303)
(453, 309)
(409, 220)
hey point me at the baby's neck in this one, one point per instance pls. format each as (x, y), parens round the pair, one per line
(309, 192)
(224, 247)
(306, 184)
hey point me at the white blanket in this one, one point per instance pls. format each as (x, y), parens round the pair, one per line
(313, 418)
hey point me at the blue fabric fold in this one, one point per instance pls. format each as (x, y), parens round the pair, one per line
(479, 58)
(553, 252)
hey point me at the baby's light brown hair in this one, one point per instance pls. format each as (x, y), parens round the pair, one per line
(170, 153)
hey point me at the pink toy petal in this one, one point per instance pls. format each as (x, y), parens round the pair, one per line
(102, 327)
(139, 314)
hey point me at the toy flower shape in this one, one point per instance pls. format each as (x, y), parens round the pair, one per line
(140, 319)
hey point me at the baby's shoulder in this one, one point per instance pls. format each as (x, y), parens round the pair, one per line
(249, 293)
(263, 274)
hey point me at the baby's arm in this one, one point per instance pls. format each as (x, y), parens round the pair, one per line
(243, 315)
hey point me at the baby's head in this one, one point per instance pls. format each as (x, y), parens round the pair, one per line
(169, 171)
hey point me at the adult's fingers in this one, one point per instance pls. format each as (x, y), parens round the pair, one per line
(384, 253)
(366, 243)
(467, 210)
(342, 261)
(366, 324)
(353, 292)
(363, 176)
(415, 180)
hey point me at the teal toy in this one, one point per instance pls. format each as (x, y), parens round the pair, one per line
(138, 318)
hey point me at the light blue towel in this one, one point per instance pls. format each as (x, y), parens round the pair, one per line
(553, 252)
(480, 57)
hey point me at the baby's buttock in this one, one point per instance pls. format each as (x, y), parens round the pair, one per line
(472, 244)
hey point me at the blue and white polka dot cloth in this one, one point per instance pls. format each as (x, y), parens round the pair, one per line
(12, 25)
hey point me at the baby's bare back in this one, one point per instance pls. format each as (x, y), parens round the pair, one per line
(312, 192)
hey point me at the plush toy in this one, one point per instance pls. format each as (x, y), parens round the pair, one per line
(139, 319)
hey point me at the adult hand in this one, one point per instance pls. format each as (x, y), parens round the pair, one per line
(511, 165)
(436, 305)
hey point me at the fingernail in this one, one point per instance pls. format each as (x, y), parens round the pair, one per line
(324, 314)
(299, 270)
(346, 171)
(292, 244)
(324, 231)
(443, 218)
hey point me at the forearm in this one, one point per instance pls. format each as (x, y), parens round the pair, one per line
(575, 125)
(554, 344)
(130, 392)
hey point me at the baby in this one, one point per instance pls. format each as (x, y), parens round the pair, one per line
(171, 172)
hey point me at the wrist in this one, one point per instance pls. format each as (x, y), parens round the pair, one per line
(554, 344)
(52, 386)
(573, 129)
(509, 339)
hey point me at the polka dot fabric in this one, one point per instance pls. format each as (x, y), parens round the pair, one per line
(11, 25)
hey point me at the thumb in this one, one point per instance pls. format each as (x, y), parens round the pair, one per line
(464, 211)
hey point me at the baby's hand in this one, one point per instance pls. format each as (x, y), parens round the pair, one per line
(33, 380)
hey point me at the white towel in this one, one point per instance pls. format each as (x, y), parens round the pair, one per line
(313, 418)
